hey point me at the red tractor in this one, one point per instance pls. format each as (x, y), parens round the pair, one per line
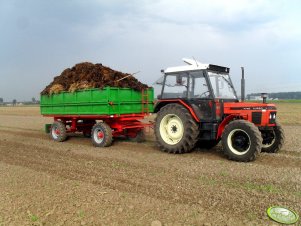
(198, 107)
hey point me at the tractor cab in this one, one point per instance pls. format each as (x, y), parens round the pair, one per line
(198, 81)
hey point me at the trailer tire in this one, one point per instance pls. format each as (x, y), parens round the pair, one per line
(175, 129)
(275, 142)
(241, 141)
(101, 135)
(58, 131)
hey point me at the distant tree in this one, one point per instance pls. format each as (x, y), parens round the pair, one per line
(1, 100)
(14, 102)
(281, 95)
(33, 100)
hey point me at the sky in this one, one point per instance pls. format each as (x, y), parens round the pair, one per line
(39, 39)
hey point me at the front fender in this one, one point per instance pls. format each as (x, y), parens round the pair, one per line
(223, 124)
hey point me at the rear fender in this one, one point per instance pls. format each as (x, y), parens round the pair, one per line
(163, 103)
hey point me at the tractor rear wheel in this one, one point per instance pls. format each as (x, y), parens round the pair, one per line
(175, 129)
(101, 135)
(58, 131)
(273, 140)
(241, 141)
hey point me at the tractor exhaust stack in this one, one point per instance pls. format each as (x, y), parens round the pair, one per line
(242, 84)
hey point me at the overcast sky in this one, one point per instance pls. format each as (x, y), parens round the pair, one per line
(39, 39)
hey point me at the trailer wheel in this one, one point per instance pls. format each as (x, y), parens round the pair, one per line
(58, 131)
(273, 140)
(175, 129)
(101, 135)
(241, 141)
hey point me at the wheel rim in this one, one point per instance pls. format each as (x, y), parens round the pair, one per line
(239, 142)
(268, 142)
(55, 132)
(98, 135)
(171, 129)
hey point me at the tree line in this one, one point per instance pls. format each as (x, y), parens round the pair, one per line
(280, 95)
(14, 101)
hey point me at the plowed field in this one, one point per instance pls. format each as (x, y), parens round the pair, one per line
(43, 182)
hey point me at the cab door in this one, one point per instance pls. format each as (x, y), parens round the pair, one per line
(200, 96)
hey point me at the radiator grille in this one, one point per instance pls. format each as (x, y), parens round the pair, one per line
(256, 117)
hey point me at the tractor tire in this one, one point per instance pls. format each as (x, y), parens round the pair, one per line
(175, 129)
(58, 131)
(274, 141)
(241, 141)
(207, 144)
(139, 138)
(101, 135)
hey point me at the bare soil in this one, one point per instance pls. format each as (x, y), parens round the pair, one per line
(73, 183)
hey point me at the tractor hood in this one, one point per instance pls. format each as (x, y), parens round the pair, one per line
(245, 106)
(260, 114)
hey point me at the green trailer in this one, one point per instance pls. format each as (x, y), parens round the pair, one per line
(98, 113)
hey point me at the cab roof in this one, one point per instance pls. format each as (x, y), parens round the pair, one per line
(194, 65)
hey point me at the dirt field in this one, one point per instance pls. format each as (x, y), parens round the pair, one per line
(74, 183)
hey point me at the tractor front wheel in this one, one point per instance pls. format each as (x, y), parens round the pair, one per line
(273, 140)
(241, 141)
(101, 135)
(175, 129)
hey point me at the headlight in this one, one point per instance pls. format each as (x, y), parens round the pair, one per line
(272, 117)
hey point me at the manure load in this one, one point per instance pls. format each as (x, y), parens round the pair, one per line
(87, 75)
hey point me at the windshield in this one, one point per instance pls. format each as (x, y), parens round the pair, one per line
(193, 85)
(186, 85)
(222, 85)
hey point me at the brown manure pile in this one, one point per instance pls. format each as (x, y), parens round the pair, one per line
(88, 75)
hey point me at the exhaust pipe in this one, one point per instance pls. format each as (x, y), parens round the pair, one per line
(242, 84)
(264, 97)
